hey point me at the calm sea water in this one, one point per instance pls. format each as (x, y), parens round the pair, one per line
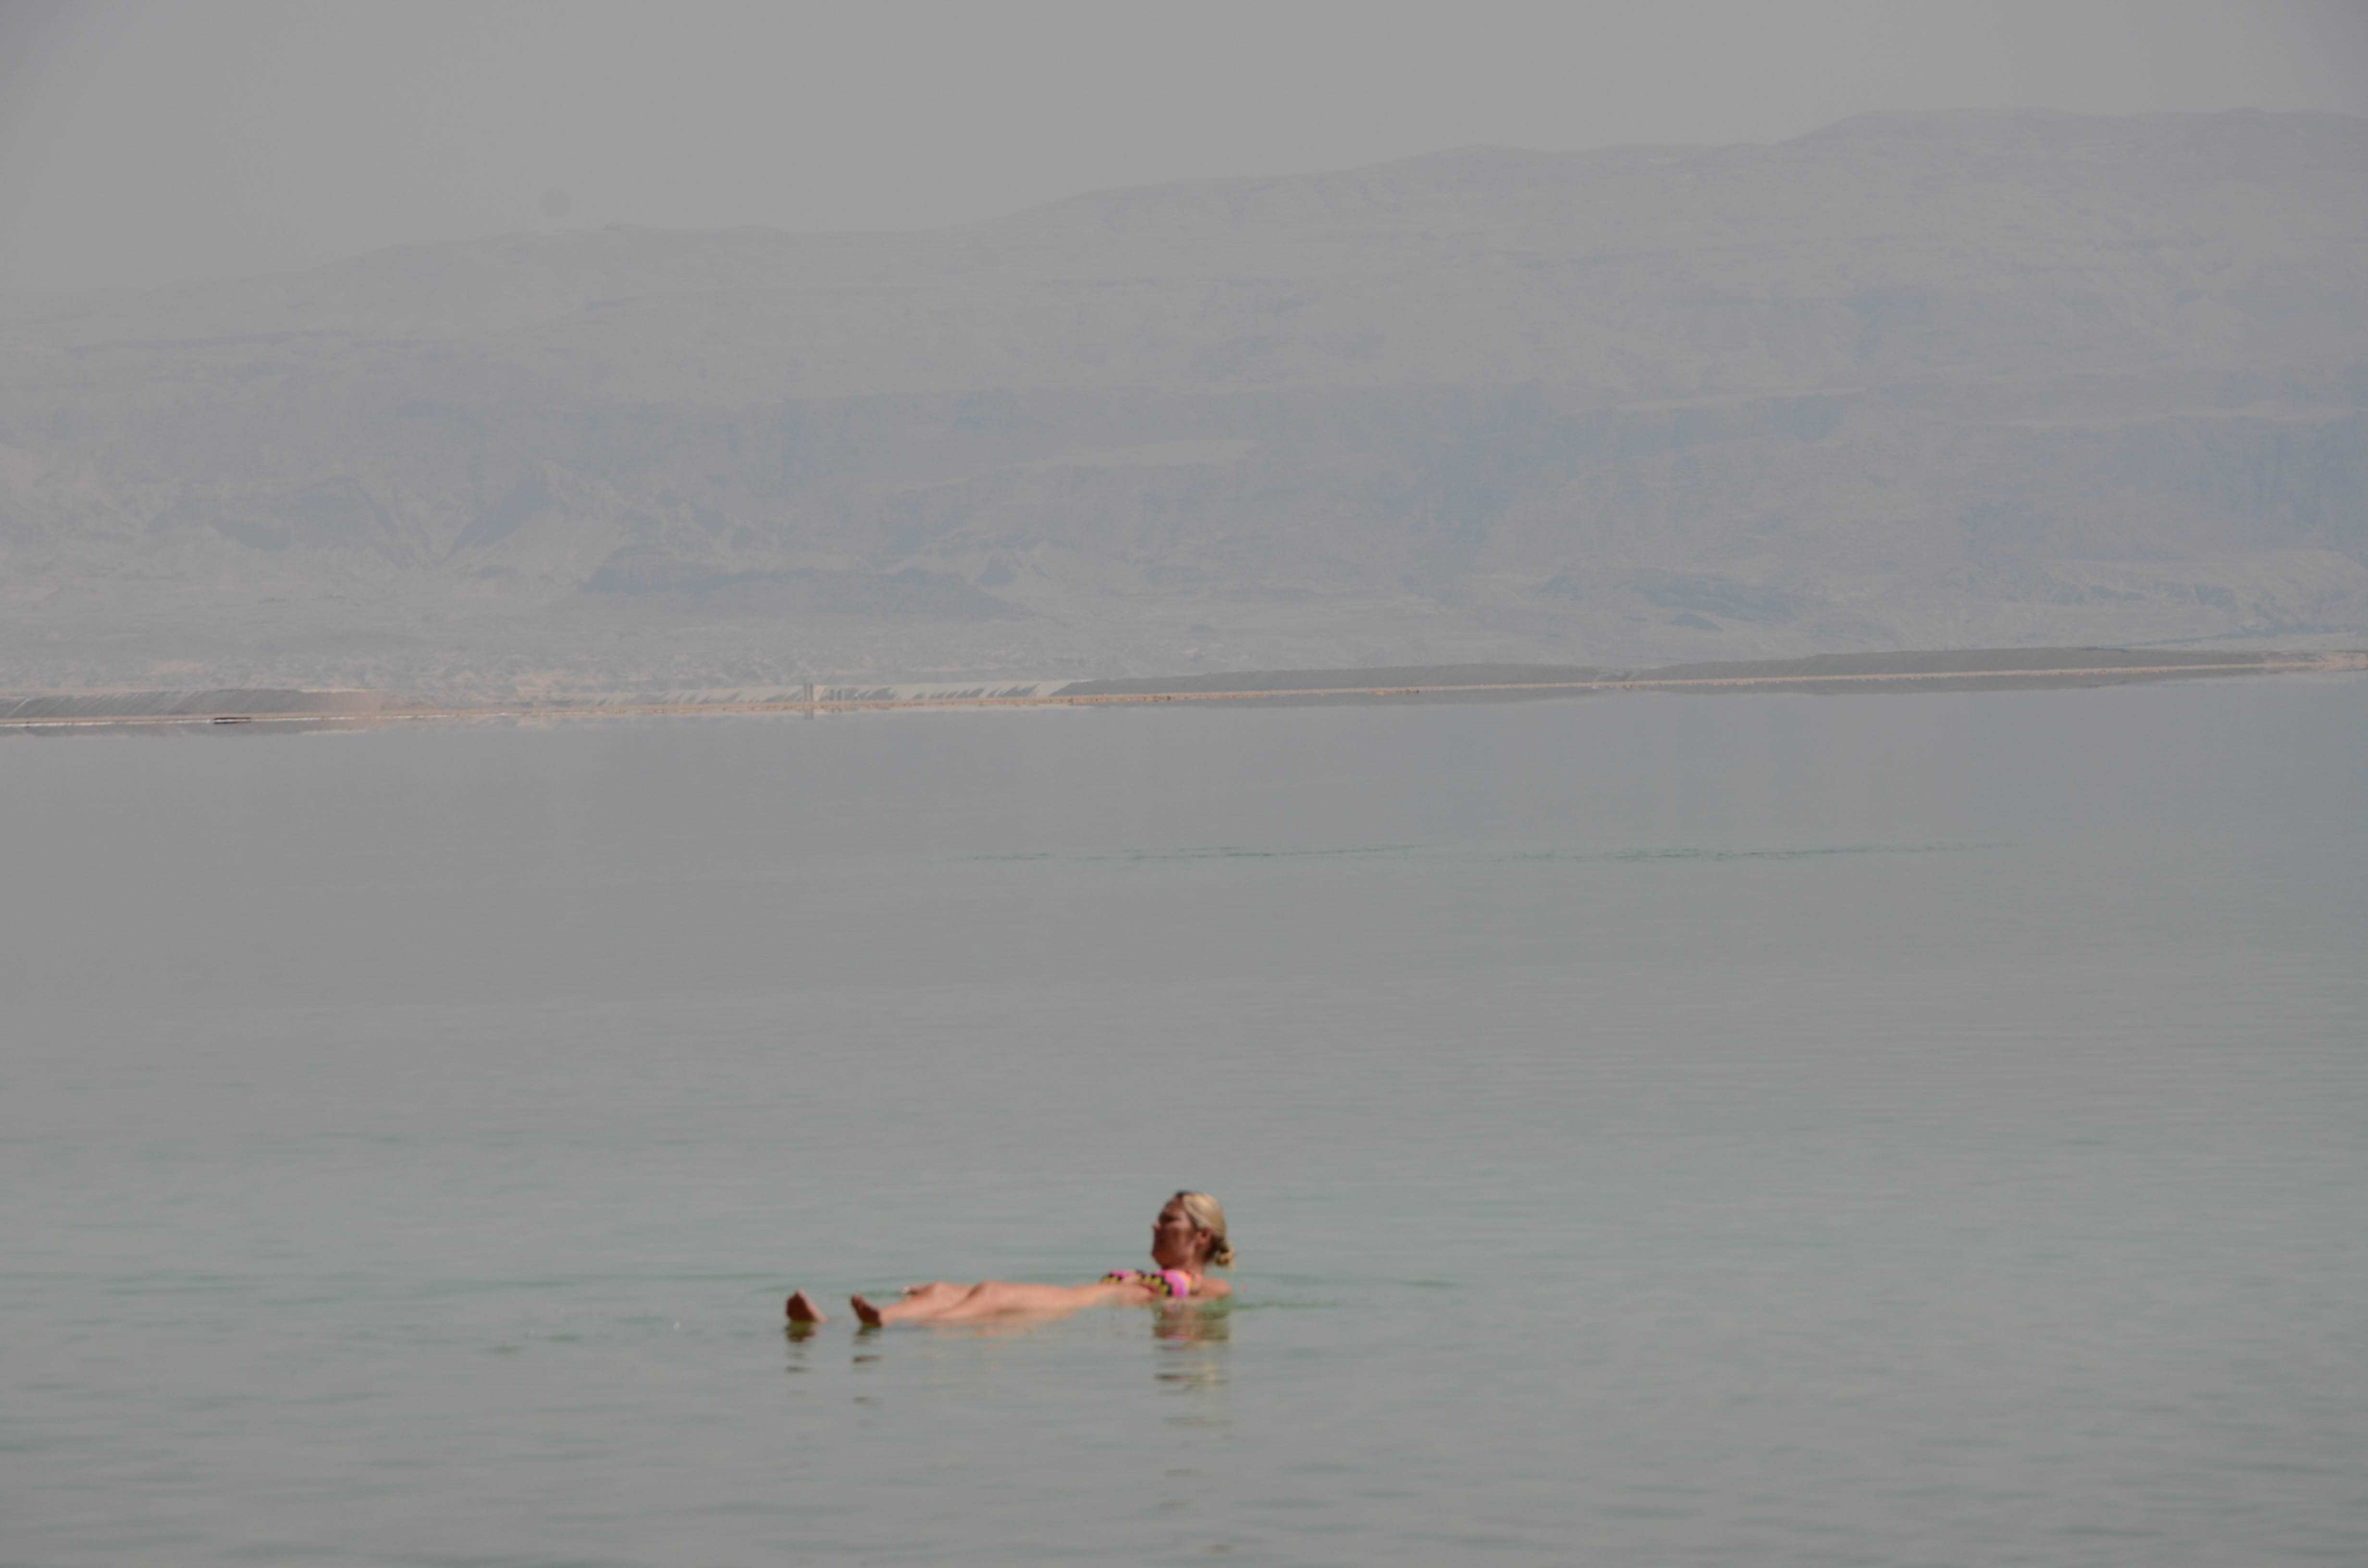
(1917, 1129)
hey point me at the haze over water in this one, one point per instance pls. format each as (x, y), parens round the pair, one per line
(1925, 1128)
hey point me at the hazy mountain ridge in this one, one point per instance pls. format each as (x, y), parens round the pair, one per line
(1915, 380)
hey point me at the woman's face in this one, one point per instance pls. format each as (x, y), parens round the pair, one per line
(1175, 1241)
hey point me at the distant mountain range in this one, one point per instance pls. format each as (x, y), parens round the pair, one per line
(1914, 380)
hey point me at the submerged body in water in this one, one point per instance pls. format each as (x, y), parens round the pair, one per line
(1187, 1240)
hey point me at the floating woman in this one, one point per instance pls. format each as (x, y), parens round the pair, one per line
(1186, 1241)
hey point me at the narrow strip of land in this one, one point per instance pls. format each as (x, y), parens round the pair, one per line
(2004, 670)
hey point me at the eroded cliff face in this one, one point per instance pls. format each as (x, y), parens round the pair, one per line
(1914, 380)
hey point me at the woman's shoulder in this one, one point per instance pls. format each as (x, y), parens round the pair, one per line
(1209, 1288)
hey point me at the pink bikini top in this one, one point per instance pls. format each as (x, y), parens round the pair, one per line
(1178, 1283)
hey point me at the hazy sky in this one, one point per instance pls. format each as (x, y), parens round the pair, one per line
(144, 141)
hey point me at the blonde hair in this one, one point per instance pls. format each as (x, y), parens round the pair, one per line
(1209, 1215)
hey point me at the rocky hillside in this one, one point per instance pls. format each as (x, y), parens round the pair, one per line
(1912, 380)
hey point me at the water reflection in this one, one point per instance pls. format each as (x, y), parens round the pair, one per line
(799, 1360)
(1193, 1342)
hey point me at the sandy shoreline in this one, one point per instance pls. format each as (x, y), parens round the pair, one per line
(1830, 674)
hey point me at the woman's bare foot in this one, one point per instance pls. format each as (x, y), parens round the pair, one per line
(802, 1309)
(871, 1315)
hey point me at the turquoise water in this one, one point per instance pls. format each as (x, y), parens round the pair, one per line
(1917, 1129)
